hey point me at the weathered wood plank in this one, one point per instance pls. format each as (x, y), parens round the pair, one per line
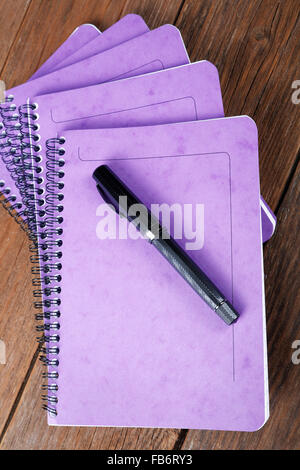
(256, 47)
(11, 17)
(154, 12)
(16, 319)
(282, 255)
(27, 405)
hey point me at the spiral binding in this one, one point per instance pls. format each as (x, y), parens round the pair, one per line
(10, 153)
(44, 221)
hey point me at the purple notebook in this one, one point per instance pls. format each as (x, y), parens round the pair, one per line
(137, 346)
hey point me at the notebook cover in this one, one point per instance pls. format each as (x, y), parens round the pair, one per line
(158, 49)
(137, 346)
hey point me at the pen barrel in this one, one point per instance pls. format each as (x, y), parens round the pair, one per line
(196, 278)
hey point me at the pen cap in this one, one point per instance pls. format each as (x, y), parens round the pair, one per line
(113, 188)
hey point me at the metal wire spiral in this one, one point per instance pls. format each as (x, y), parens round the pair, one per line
(44, 207)
(10, 153)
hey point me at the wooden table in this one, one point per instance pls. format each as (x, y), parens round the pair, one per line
(255, 45)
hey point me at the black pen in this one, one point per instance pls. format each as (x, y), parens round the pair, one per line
(116, 193)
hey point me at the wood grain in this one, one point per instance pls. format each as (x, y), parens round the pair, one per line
(255, 46)
(16, 319)
(155, 12)
(11, 18)
(282, 255)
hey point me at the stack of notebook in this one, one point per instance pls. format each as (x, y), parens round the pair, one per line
(125, 341)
